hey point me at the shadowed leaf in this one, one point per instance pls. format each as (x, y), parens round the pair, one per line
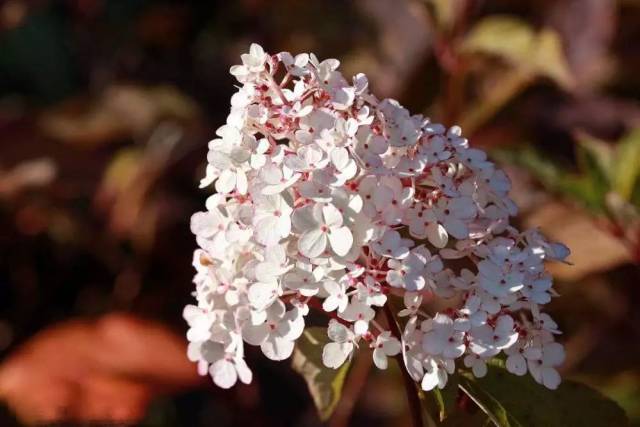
(510, 400)
(627, 168)
(325, 384)
(518, 43)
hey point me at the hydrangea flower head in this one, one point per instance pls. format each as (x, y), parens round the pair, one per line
(328, 197)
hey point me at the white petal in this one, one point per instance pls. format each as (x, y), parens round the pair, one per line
(226, 182)
(277, 348)
(268, 271)
(349, 171)
(432, 344)
(382, 197)
(392, 346)
(338, 332)
(193, 351)
(413, 365)
(361, 327)
(533, 353)
(191, 313)
(258, 317)
(261, 295)
(535, 369)
(255, 334)
(479, 369)
(306, 218)
(332, 216)
(516, 364)
(504, 324)
(341, 240)
(430, 379)
(212, 351)
(211, 175)
(332, 287)
(330, 304)
(204, 224)
(335, 354)
(312, 243)
(244, 373)
(553, 354)
(223, 373)
(280, 187)
(201, 331)
(469, 360)
(437, 235)
(256, 51)
(380, 359)
(268, 231)
(442, 378)
(340, 158)
(203, 367)
(550, 378)
(295, 322)
(456, 228)
(241, 181)
(453, 351)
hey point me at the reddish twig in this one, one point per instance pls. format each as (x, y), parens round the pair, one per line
(352, 389)
(410, 386)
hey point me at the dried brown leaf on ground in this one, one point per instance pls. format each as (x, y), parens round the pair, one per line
(88, 370)
(593, 249)
(126, 194)
(120, 111)
(28, 174)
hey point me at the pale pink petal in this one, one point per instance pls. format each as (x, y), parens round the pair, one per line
(437, 235)
(223, 373)
(341, 240)
(312, 243)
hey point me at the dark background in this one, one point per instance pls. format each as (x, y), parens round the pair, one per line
(106, 108)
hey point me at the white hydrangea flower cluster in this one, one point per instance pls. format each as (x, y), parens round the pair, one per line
(330, 198)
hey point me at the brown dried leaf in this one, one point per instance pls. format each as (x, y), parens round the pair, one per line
(593, 249)
(108, 369)
(121, 111)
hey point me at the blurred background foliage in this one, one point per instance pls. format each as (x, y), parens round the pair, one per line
(106, 107)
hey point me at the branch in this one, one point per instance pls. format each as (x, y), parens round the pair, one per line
(410, 386)
(351, 391)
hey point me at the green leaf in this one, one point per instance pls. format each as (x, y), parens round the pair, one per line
(445, 12)
(600, 152)
(591, 157)
(325, 384)
(515, 41)
(549, 58)
(446, 398)
(512, 401)
(508, 37)
(627, 165)
(439, 401)
(491, 406)
(589, 187)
